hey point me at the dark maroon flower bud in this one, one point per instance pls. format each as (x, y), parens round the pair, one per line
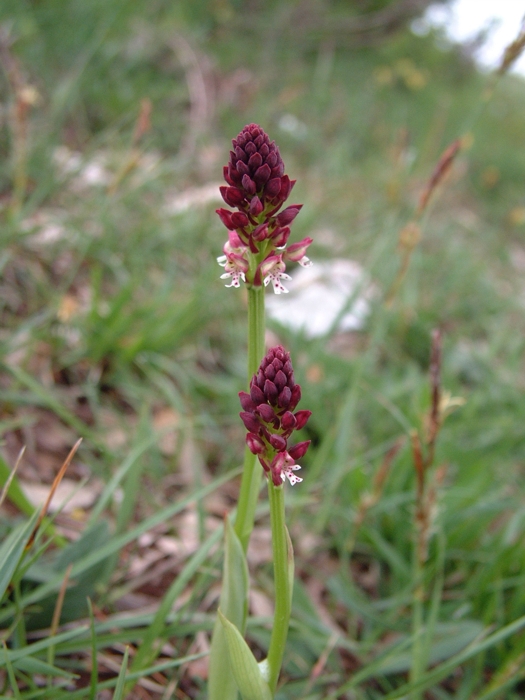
(240, 170)
(246, 401)
(288, 215)
(302, 419)
(227, 176)
(239, 219)
(269, 373)
(270, 391)
(280, 380)
(288, 421)
(248, 184)
(278, 442)
(250, 421)
(255, 444)
(284, 398)
(254, 162)
(272, 188)
(260, 378)
(266, 412)
(231, 196)
(226, 218)
(239, 153)
(261, 175)
(287, 186)
(256, 395)
(296, 397)
(256, 206)
(261, 232)
(280, 236)
(298, 451)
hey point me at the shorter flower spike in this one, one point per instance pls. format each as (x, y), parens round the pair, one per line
(269, 419)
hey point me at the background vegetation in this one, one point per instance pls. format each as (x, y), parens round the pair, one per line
(116, 121)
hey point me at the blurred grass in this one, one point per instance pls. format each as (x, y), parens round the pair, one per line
(119, 312)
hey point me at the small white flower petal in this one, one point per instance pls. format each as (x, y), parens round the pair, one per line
(292, 478)
(275, 278)
(222, 260)
(305, 262)
(278, 288)
(236, 277)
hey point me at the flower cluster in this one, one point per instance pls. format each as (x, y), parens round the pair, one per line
(256, 251)
(268, 416)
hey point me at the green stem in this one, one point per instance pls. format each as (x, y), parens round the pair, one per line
(282, 580)
(252, 473)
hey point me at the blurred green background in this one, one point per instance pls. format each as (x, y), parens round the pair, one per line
(116, 120)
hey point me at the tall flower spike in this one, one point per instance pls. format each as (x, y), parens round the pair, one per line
(269, 419)
(257, 188)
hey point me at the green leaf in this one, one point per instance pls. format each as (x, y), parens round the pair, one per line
(82, 586)
(112, 546)
(449, 639)
(14, 493)
(234, 595)
(12, 551)
(149, 648)
(246, 671)
(11, 672)
(32, 666)
(234, 604)
(119, 690)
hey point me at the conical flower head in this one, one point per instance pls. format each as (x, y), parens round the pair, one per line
(268, 417)
(275, 380)
(255, 172)
(257, 189)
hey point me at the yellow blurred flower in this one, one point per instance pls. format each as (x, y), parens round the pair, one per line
(490, 177)
(384, 75)
(67, 309)
(516, 216)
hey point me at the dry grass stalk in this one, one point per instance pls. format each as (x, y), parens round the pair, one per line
(24, 97)
(54, 486)
(423, 457)
(513, 51)
(369, 499)
(441, 170)
(57, 612)
(142, 127)
(410, 234)
(435, 384)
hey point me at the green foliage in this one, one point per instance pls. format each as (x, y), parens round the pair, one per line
(120, 315)
(234, 607)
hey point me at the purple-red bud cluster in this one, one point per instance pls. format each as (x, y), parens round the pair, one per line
(257, 188)
(255, 173)
(268, 415)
